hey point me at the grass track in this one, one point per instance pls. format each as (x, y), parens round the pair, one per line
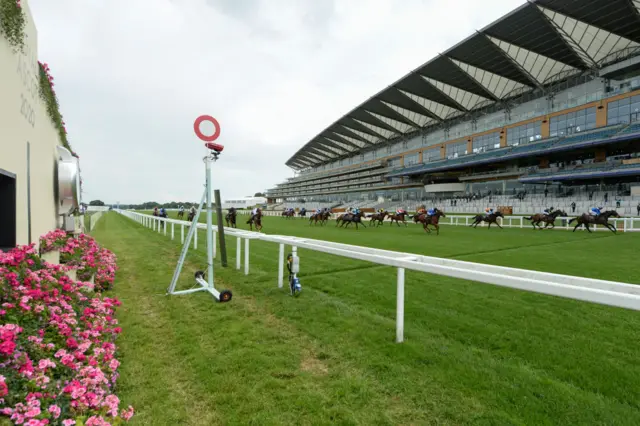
(475, 354)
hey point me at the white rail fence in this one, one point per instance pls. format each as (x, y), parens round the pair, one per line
(586, 289)
(624, 224)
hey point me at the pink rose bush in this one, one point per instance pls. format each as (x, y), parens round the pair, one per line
(58, 358)
(85, 254)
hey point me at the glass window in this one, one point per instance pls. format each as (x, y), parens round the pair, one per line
(414, 143)
(624, 110)
(526, 133)
(454, 150)
(394, 162)
(486, 142)
(411, 159)
(573, 122)
(429, 155)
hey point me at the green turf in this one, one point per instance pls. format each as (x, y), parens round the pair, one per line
(474, 353)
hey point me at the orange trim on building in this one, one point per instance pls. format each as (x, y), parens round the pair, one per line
(601, 114)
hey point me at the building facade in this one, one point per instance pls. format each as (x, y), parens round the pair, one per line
(548, 71)
(29, 145)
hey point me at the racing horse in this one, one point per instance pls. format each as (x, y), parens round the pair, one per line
(256, 220)
(397, 218)
(230, 217)
(349, 218)
(322, 217)
(548, 219)
(378, 217)
(492, 218)
(180, 214)
(288, 214)
(602, 219)
(191, 215)
(427, 220)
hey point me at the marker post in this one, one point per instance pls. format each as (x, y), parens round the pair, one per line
(214, 151)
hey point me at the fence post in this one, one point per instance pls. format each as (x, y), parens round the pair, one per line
(165, 227)
(238, 252)
(246, 256)
(400, 307)
(195, 238)
(281, 265)
(172, 233)
(182, 234)
(215, 245)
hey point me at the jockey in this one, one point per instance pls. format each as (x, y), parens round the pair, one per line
(595, 211)
(356, 211)
(400, 211)
(254, 213)
(162, 211)
(488, 211)
(421, 210)
(431, 211)
(192, 209)
(181, 209)
(547, 211)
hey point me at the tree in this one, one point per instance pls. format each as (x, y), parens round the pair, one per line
(258, 194)
(96, 203)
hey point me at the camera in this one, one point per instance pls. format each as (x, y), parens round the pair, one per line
(214, 147)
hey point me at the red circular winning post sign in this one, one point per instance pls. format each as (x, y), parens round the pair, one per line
(202, 136)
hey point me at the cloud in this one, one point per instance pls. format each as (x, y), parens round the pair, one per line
(133, 75)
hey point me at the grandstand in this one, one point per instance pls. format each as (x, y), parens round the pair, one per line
(540, 108)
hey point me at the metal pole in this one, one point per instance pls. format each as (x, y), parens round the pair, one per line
(223, 245)
(209, 224)
(185, 248)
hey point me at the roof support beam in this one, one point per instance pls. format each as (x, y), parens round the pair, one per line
(335, 137)
(350, 122)
(524, 72)
(459, 106)
(395, 97)
(329, 144)
(491, 95)
(316, 157)
(362, 115)
(381, 109)
(584, 56)
(344, 131)
(321, 153)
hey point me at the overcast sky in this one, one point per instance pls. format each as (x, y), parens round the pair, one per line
(132, 76)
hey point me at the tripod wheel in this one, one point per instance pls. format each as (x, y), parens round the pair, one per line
(199, 274)
(225, 296)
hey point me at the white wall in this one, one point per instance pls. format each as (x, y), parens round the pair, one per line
(445, 187)
(23, 118)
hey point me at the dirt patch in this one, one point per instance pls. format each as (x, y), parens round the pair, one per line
(311, 364)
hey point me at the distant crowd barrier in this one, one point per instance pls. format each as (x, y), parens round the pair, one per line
(603, 292)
